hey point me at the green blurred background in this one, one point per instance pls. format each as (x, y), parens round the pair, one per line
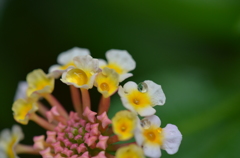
(190, 47)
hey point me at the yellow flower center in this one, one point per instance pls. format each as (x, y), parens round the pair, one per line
(116, 67)
(153, 135)
(139, 100)
(77, 76)
(104, 86)
(64, 67)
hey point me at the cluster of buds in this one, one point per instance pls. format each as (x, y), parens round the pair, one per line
(84, 133)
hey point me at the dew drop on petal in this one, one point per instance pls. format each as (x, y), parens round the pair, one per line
(142, 87)
(145, 123)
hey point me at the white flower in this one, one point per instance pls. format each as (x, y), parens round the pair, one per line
(9, 140)
(65, 59)
(152, 137)
(119, 60)
(141, 98)
(84, 74)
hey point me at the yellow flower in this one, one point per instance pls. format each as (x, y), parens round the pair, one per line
(107, 82)
(65, 59)
(22, 108)
(39, 83)
(9, 140)
(84, 74)
(130, 151)
(141, 98)
(119, 60)
(124, 124)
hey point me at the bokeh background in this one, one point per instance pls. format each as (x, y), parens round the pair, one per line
(190, 47)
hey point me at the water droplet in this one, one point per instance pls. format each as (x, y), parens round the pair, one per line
(142, 87)
(145, 123)
(77, 76)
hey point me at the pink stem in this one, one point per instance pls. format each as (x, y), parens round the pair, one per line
(54, 102)
(85, 99)
(115, 147)
(113, 139)
(109, 155)
(76, 99)
(104, 105)
(42, 109)
(25, 149)
(42, 122)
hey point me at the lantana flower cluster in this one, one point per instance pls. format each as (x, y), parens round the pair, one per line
(85, 133)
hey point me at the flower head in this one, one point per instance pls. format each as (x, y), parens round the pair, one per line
(119, 60)
(39, 83)
(141, 98)
(9, 140)
(85, 133)
(65, 59)
(152, 137)
(124, 123)
(84, 74)
(107, 82)
(76, 136)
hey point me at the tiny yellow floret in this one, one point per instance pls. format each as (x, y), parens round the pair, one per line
(64, 67)
(138, 100)
(107, 82)
(77, 76)
(39, 82)
(130, 151)
(22, 108)
(116, 67)
(153, 135)
(124, 123)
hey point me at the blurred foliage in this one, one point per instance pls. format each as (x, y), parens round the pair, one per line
(190, 47)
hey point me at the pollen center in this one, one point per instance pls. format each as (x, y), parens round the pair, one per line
(77, 76)
(136, 101)
(123, 128)
(153, 135)
(104, 86)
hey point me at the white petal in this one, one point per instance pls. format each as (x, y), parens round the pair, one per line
(17, 131)
(67, 56)
(86, 63)
(125, 76)
(138, 135)
(129, 86)
(172, 139)
(121, 58)
(152, 150)
(21, 90)
(53, 68)
(155, 120)
(156, 93)
(102, 62)
(5, 137)
(124, 99)
(147, 111)
(2, 154)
